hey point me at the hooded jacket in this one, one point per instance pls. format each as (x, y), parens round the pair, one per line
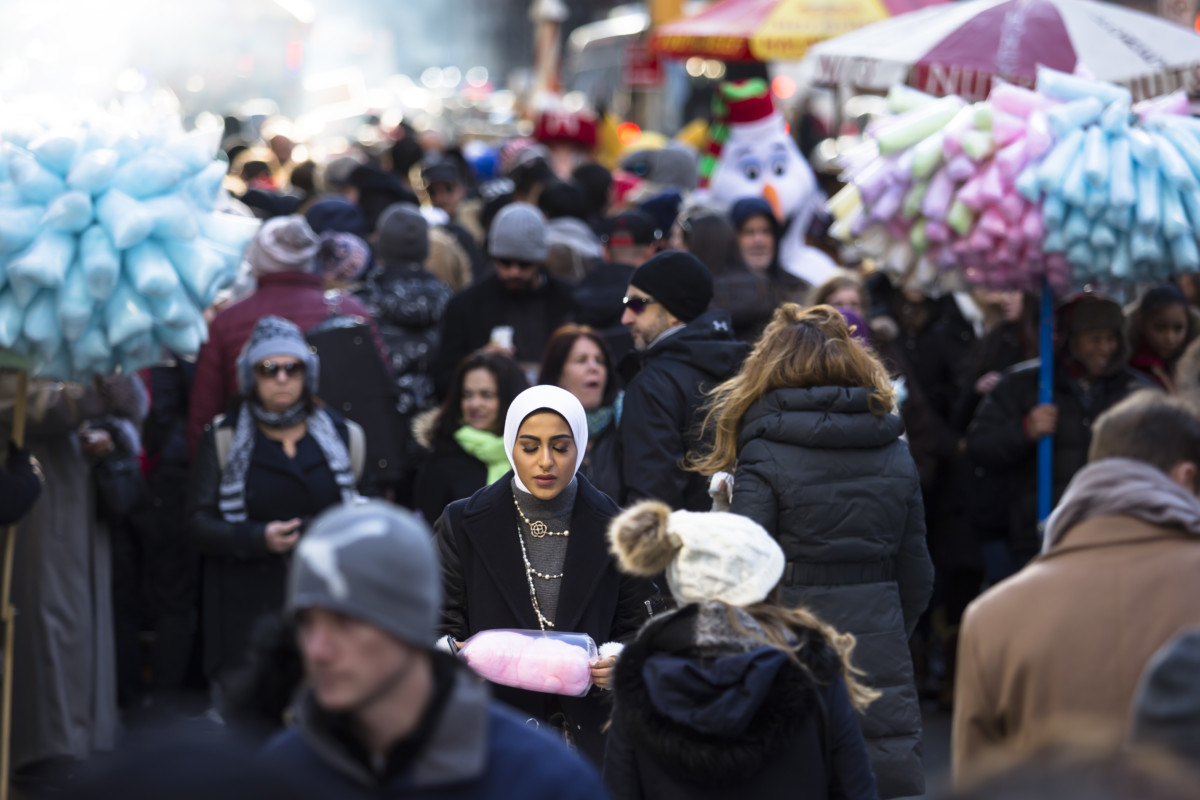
(835, 485)
(705, 711)
(662, 417)
(997, 439)
(1065, 640)
(476, 748)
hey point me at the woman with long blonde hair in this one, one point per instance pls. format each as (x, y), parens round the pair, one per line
(807, 430)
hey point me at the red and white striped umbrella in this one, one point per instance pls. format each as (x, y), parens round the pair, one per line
(959, 48)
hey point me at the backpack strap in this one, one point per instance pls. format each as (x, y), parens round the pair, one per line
(358, 448)
(223, 437)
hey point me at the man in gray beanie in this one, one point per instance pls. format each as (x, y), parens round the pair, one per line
(283, 259)
(383, 712)
(685, 350)
(516, 308)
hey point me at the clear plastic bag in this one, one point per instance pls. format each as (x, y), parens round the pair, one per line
(538, 661)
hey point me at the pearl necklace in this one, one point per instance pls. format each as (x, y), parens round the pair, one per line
(537, 530)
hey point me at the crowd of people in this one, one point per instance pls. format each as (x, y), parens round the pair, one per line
(802, 509)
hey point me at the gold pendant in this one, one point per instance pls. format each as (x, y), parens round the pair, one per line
(537, 529)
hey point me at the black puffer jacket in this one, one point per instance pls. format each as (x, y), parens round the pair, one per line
(836, 486)
(704, 711)
(661, 420)
(407, 303)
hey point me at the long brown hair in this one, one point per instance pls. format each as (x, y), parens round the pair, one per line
(800, 348)
(558, 349)
(779, 626)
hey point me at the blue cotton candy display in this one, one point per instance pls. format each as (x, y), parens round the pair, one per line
(109, 244)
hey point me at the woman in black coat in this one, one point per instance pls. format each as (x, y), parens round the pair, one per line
(263, 470)
(806, 427)
(529, 552)
(461, 437)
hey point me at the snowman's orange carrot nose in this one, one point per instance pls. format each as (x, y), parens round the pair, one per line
(771, 196)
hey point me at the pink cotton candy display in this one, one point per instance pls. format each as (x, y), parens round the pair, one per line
(1067, 181)
(550, 662)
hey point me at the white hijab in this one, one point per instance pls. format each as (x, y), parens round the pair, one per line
(557, 400)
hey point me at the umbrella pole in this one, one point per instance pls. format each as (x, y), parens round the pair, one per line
(1046, 395)
(7, 612)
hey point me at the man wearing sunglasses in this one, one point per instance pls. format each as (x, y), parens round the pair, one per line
(514, 310)
(685, 349)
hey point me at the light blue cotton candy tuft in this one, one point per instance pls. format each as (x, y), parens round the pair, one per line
(174, 216)
(149, 271)
(148, 174)
(126, 315)
(70, 212)
(75, 303)
(57, 150)
(18, 227)
(93, 172)
(44, 263)
(124, 218)
(36, 184)
(100, 261)
(12, 319)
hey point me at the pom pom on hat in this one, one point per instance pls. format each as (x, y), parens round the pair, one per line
(706, 556)
(640, 539)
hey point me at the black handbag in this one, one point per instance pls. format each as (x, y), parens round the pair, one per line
(120, 485)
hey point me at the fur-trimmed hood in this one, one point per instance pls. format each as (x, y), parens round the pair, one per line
(424, 427)
(709, 703)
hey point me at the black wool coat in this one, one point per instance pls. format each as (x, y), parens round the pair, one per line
(835, 485)
(447, 474)
(484, 588)
(242, 580)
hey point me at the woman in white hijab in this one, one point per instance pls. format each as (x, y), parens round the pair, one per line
(530, 551)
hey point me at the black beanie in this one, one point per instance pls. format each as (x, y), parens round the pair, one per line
(679, 281)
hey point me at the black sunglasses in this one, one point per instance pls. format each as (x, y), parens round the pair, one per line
(269, 369)
(518, 264)
(638, 304)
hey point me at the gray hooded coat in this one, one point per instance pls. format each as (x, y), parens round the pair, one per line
(837, 488)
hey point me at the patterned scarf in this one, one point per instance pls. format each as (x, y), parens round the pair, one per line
(320, 426)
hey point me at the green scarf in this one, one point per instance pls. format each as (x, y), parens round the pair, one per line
(487, 447)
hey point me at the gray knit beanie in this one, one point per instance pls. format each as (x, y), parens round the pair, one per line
(276, 336)
(374, 562)
(402, 235)
(283, 244)
(518, 234)
(1166, 708)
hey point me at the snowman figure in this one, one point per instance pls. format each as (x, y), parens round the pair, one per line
(750, 154)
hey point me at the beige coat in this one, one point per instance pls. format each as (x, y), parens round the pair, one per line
(1064, 641)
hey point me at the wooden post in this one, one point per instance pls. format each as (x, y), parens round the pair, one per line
(7, 612)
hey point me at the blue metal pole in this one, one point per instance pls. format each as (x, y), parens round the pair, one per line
(1046, 395)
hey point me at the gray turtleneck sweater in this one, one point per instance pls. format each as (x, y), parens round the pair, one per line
(547, 554)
